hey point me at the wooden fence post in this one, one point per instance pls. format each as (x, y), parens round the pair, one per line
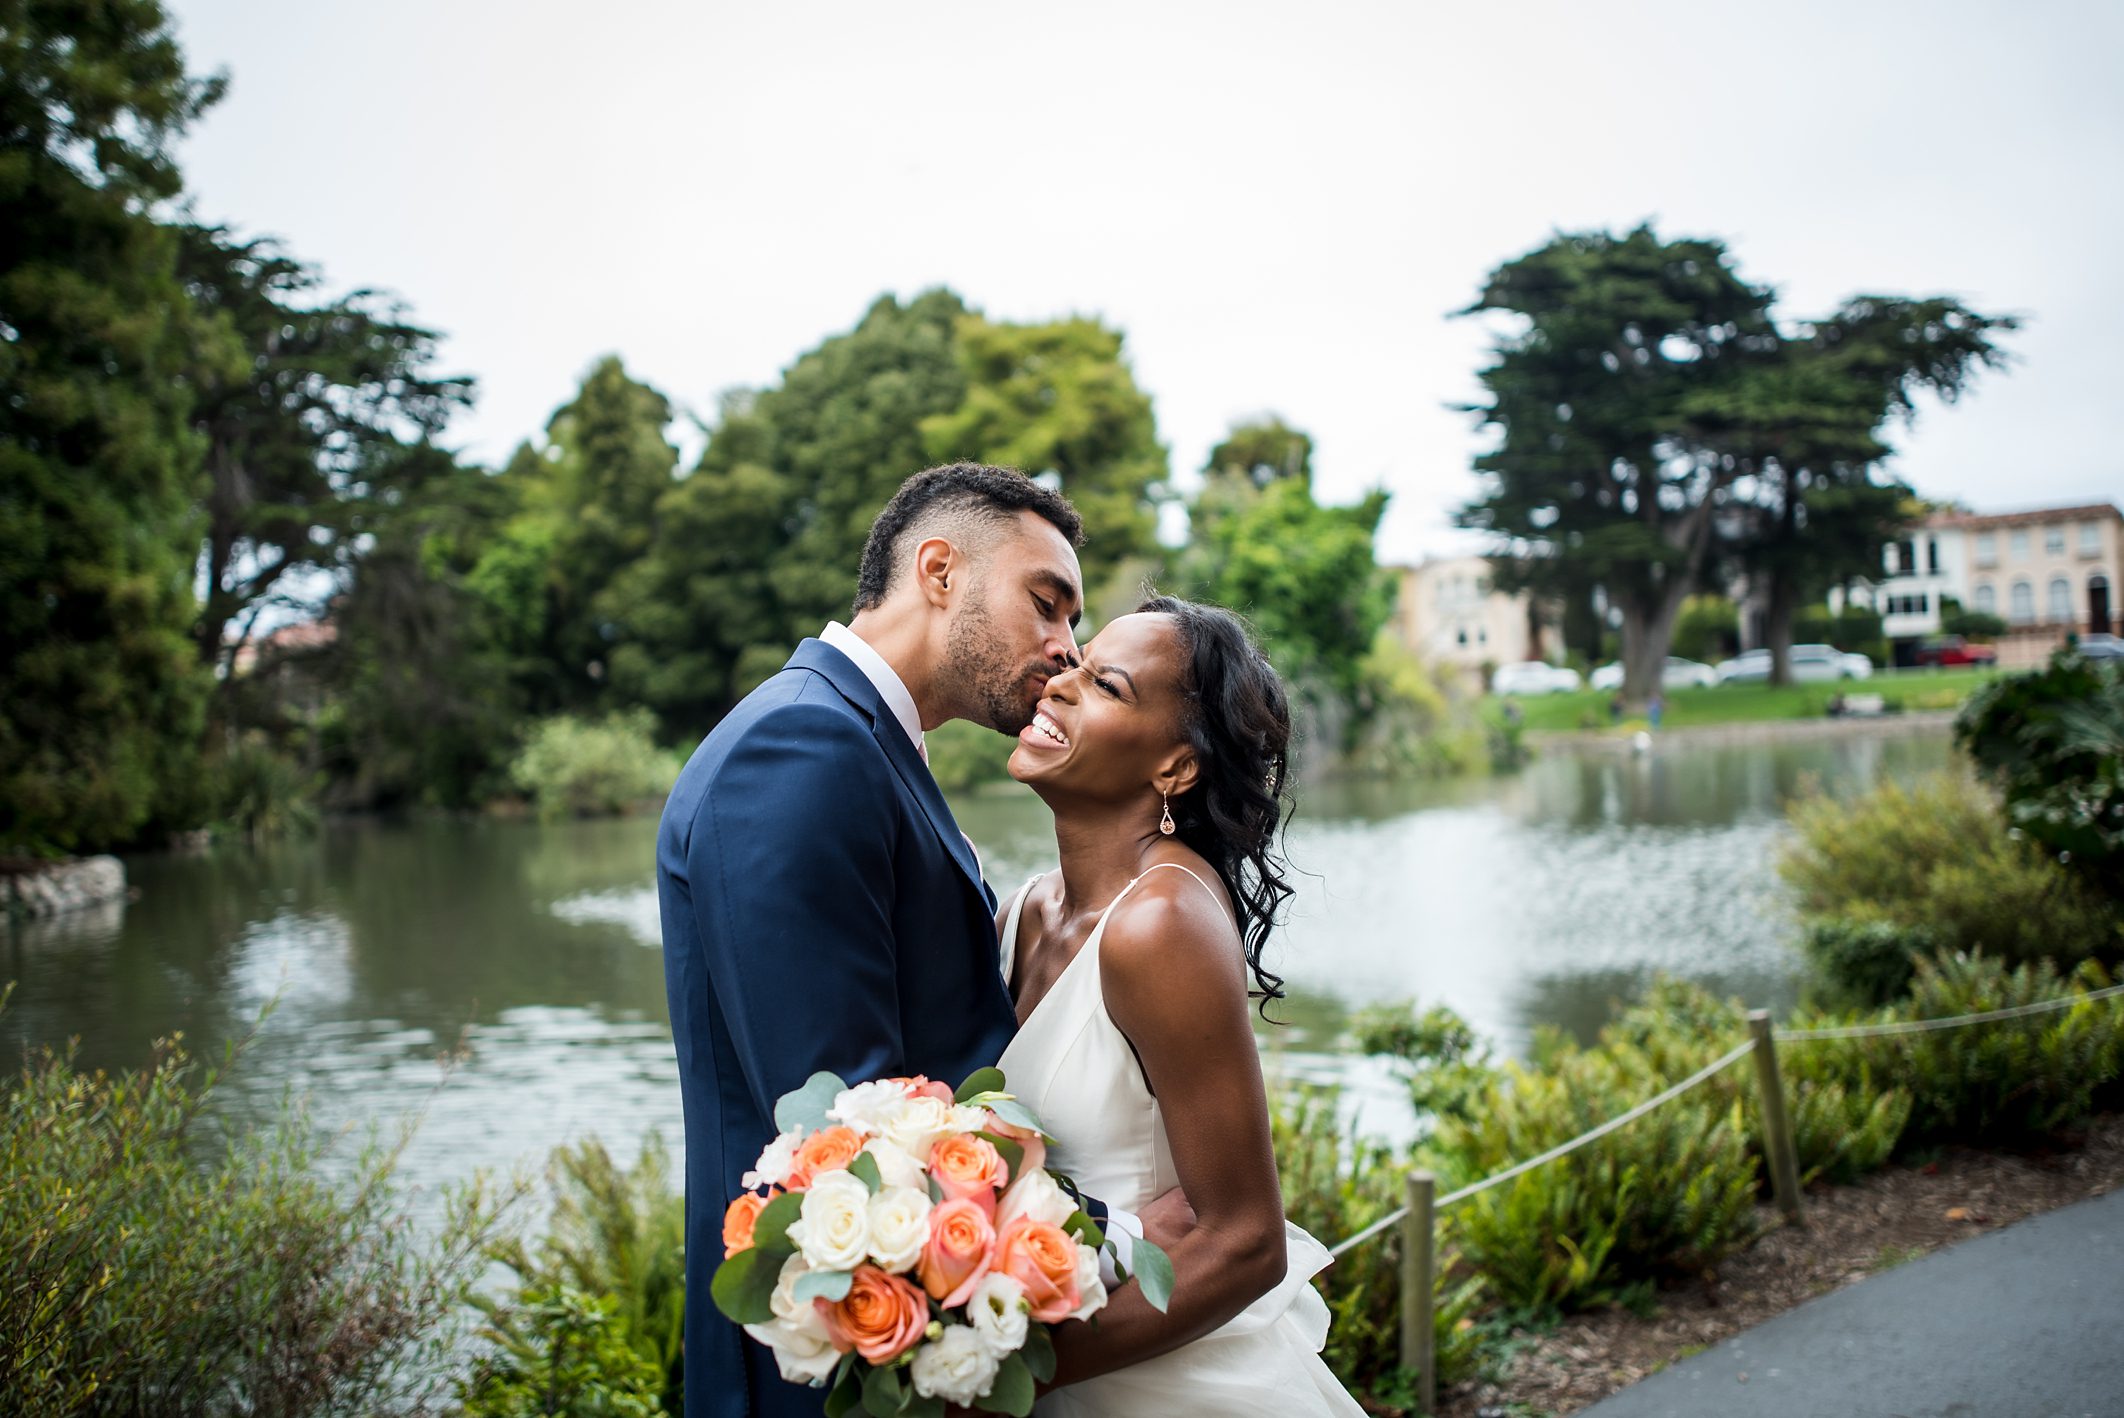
(1777, 1124)
(1418, 1329)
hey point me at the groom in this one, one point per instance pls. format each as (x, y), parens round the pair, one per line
(821, 909)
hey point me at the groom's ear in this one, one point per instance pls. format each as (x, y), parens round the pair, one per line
(937, 564)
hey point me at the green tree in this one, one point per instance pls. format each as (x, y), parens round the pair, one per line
(1599, 476)
(1261, 451)
(304, 434)
(98, 471)
(1059, 400)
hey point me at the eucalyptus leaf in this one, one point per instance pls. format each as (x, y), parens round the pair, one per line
(846, 1394)
(1012, 1391)
(883, 1392)
(1011, 1111)
(770, 1231)
(914, 1405)
(1154, 1272)
(744, 1286)
(804, 1109)
(865, 1169)
(981, 1080)
(1039, 1353)
(1081, 1226)
(823, 1285)
(1012, 1152)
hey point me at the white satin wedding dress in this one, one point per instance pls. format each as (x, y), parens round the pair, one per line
(1073, 1066)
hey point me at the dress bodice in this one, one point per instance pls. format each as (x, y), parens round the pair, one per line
(1071, 1064)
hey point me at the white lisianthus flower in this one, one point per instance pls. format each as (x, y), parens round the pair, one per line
(917, 1126)
(965, 1117)
(1091, 1291)
(998, 1313)
(956, 1367)
(832, 1228)
(777, 1160)
(869, 1107)
(1036, 1195)
(899, 1228)
(896, 1168)
(803, 1350)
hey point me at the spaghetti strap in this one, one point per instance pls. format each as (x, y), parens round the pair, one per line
(1176, 867)
(1007, 943)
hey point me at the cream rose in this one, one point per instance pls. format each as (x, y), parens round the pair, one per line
(832, 1228)
(899, 1228)
(869, 1107)
(803, 1350)
(956, 1367)
(773, 1168)
(1091, 1291)
(917, 1126)
(1035, 1195)
(999, 1314)
(896, 1168)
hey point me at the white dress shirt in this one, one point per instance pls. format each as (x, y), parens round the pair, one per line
(889, 685)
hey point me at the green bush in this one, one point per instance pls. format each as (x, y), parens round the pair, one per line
(148, 1268)
(592, 768)
(965, 755)
(2053, 743)
(1707, 629)
(1937, 856)
(618, 1236)
(1957, 619)
(1334, 1185)
(564, 1355)
(1864, 963)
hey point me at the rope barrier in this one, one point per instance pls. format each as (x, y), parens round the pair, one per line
(1854, 1031)
(1926, 1026)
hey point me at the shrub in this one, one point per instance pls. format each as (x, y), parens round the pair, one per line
(964, 755)
(1707, 628)
(1864, 963)
(1937, 856)
(592, 768)
(565, 1353)
(148, 1269)
(2053, 743)
(1334, 1185)
(619, 1237)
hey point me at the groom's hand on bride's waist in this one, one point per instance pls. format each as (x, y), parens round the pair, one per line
(1167, 1218)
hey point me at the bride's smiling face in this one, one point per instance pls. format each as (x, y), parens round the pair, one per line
(1111, 728)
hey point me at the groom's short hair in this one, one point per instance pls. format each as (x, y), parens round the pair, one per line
(958, 500)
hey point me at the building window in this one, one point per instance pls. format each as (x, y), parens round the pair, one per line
(1987, 548)
(2021, 603)
(2054, 540)
(2017, 543)
(1460, 636)
(1986, 600)
(2061, 598)
(1932, 555)
(2090, 539)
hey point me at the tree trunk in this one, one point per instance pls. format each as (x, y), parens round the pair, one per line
(1647, 635)
(1777, 625)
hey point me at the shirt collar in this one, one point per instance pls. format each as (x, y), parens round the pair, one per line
(890, 687)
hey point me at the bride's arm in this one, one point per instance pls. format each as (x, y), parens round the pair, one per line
(1174, 979)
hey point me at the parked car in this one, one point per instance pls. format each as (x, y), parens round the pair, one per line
(1809, 664)
(1679, 674)
(1534, 677)
(1944, 650)
(2101, 647)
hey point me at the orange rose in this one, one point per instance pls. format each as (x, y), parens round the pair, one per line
(918, 1086)
(1042, 1259)
(967, 1166)
(827, 1150)
(961, 1245)
(881, 1317)
(743, 1215)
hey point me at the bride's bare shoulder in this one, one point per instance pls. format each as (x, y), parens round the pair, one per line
(1174, 930)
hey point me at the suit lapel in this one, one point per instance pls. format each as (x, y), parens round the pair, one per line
(857, 689)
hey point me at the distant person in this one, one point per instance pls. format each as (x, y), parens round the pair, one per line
(1655, 708)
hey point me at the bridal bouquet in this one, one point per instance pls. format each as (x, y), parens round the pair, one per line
(903, 1245)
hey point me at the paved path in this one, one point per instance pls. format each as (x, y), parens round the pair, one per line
(2023, 1322)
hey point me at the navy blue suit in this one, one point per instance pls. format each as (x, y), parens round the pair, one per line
(820, 911)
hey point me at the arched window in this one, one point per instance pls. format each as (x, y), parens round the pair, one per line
(1987, 600)
(2060, 608)
(2021, 603)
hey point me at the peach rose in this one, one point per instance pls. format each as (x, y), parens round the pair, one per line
(1043, 1260)
(961, 1246)
(1035, 1146)
(967, 1166)
(881, 1317)
(827, 1150)
(743, 1214)
(918, 1087)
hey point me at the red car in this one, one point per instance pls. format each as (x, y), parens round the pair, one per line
(1954, 650)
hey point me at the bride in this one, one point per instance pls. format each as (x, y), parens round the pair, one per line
(1162, 756)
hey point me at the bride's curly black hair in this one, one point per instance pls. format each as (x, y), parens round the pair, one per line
(1238, 721)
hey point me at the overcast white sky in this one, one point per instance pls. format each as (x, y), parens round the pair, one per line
(1280, 204)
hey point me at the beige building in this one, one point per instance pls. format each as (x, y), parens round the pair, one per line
(1447, 613)
(2047, 573)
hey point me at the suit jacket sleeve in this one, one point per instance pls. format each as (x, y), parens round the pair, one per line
(791, 864)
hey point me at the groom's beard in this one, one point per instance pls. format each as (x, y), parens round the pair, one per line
(981, 672)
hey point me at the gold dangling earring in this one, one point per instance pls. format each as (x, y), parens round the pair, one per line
(1165, 818)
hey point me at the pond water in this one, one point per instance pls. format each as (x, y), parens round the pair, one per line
(530, 952)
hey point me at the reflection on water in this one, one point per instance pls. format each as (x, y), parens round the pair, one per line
(1538, 899)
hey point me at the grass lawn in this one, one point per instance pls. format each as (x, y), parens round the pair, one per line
(1912, 690)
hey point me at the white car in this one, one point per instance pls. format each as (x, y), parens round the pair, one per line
(1534, 677)
(1679, 674)
(1810, 664)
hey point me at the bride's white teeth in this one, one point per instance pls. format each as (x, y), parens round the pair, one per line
(1049, 727)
